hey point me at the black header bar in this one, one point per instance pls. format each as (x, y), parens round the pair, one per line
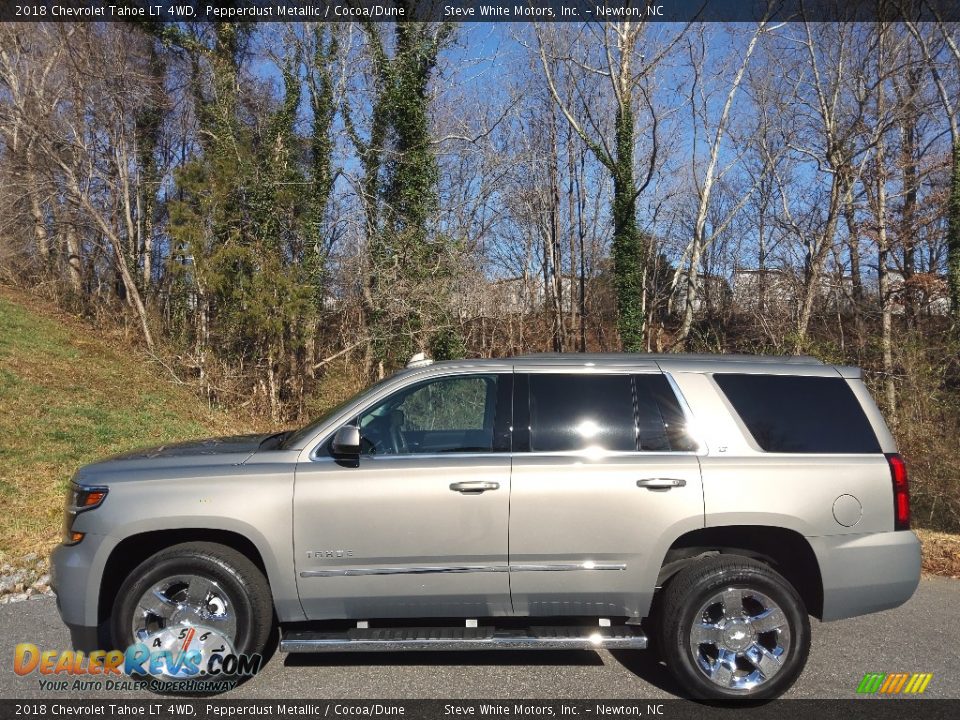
(476, 10)
(218, 708)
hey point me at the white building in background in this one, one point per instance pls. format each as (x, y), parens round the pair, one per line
(527, 294)
(930, 293)
(768, 290)
(712, 292)
(771, 291)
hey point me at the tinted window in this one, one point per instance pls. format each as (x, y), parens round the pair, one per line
(800, 414)
(576, 412)
(662, 426)
(453, 414)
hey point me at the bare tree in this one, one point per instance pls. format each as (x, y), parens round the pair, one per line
(951, 110)
(620, 63)
(836, 96)
(32, 79)
(712, 173)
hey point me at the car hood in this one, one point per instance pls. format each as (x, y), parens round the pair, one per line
(245, 444)
(195, 459)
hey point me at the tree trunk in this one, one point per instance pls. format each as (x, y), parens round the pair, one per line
(133, 294)
(856, 279)
(629, 254)
(74, 264)
(553, 267)
(571, 221)
(908, 229)
(583, 260)
(699, 241)
(815, 261)
(883, 277)
(41, 238)
(953, 233)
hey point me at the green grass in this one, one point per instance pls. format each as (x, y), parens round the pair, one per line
(68, 396)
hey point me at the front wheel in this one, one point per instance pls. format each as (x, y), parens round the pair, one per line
(201, 585)
(733, 628)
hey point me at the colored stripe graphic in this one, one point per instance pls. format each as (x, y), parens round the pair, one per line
(918, 683)
(871, 682)
(894, 683)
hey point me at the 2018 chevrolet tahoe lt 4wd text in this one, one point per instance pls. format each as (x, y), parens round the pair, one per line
(544, 501)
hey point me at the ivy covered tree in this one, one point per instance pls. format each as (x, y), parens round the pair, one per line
(243, 226)
(412, 263)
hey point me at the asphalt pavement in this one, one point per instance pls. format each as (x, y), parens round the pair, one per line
(921, 636)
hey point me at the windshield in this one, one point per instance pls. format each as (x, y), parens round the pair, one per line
(307, 432)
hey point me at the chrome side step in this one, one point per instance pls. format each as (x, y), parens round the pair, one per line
(465, 638)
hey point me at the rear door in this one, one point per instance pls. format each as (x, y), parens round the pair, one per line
(605, 475)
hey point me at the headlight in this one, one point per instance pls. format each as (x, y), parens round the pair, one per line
(79, 499)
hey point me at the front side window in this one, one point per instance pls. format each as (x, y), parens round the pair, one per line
(446, 415)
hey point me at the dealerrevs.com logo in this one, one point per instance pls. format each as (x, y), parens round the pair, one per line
(894, 683)
(179, 658)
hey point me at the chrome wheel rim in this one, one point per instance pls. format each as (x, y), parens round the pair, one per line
(184, 600)
(740, 639)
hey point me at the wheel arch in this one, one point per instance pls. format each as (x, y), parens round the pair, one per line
(786, 551)
(134, 549)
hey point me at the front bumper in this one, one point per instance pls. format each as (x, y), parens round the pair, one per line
(866, 573)
(76, 572)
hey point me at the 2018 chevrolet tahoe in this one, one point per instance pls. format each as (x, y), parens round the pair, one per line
(546, 501)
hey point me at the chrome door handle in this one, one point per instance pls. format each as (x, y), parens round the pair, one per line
(474, 486)
(661, 483)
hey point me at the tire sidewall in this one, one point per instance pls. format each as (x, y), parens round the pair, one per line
(215, 569)
(677, 643)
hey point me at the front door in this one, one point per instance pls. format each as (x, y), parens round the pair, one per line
(604, 478)
(417, 527)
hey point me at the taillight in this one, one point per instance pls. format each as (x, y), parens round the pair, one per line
(901, 492)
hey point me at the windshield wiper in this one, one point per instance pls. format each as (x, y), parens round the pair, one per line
(271, 442)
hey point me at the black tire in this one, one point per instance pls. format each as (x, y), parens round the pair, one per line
(739, 639)
(244, 583)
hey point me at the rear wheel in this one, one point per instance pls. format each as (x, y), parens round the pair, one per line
(733, 628)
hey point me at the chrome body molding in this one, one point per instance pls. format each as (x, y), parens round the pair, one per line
(421, 570)
(481, 638)
(416, 570)
(566, 567)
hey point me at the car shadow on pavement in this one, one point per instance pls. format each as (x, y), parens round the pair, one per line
(454, 658)
(646, 666)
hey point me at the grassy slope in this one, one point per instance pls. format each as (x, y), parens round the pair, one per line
(68, 396)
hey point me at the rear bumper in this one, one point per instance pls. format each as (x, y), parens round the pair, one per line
(866, 573)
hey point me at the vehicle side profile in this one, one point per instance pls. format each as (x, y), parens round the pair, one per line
(709, 504)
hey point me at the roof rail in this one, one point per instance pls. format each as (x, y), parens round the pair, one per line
(693, 357)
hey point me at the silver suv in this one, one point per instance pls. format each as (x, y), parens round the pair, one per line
(545, 501)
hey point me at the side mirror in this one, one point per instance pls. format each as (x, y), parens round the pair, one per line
(346, 441)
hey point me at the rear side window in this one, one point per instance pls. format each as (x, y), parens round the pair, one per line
(791, 414)
(576, 412)
(572, 412)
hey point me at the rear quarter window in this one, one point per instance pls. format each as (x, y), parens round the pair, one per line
(793, 414)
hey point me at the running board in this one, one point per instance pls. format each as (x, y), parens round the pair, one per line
(465, 638)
